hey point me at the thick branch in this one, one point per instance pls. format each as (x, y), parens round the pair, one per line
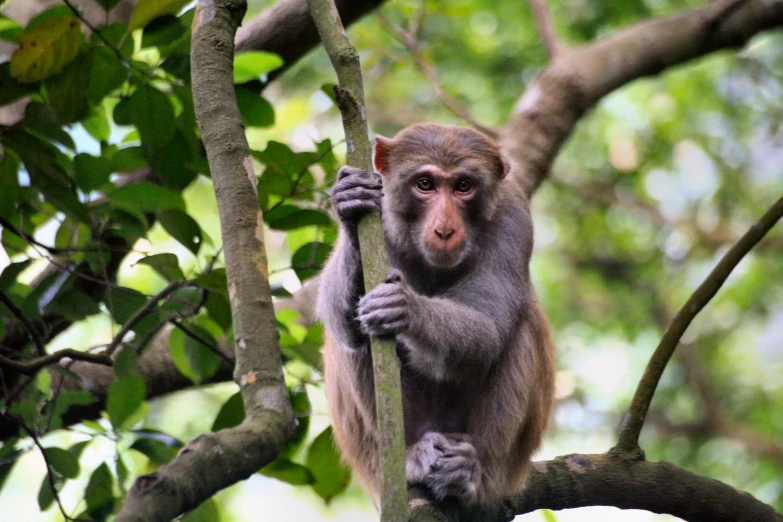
(287, 29)
(224, 458)
(574, 481)
(375, 267)
(634, 419)
(580, 77)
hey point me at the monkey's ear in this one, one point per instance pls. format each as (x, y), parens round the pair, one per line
(506, 166)
(382, 150)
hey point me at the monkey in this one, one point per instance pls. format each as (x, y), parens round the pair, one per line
(477, 363)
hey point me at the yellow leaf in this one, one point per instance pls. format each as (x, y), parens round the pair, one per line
(148, 10)
(46, 48)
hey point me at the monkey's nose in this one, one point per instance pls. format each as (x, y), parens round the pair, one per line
(444, 232)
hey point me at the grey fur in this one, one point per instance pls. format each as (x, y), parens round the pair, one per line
(477, 369)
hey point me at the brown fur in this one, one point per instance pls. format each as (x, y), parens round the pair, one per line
(477, 358)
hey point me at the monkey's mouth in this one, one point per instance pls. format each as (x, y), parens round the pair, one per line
(444, 257)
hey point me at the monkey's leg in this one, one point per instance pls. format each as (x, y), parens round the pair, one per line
(447, 464)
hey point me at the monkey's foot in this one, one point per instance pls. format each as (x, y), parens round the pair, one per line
(447, 465)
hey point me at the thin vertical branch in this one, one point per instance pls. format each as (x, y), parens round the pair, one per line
(546, 28)
(386, 365)
(634, 419)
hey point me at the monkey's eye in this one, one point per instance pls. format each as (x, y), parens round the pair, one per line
(464, 185)
(425, 184)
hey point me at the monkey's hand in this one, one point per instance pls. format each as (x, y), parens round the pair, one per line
(447, 464)
(355, 194)
(388, 308)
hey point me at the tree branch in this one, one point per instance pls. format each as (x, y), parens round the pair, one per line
(375, 267)
(410, 40)
(33, 366)
(231, 455)
(287, 29)
(580, 77)
(546, 28)
(19, 314)
(634, 419)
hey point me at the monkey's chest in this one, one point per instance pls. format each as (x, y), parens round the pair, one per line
(430, 405)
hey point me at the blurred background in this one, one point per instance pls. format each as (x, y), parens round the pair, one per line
(652, 188)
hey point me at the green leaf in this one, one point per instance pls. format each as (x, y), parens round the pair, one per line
(193, 359)
(126, 395)
(255, 110)
(219, 310)
(62, 461)
(548, 515)
(328, 89)
(289, 217)
(308, 353)
(68, 90)
(98, 494)
(145, 197)
(215, 281)
(231, 414)
(148, 10)
(183, 228)
(308, 260)
(162, 30)
(155, 449)
(10, 31)
(108, 5)
(252, 65)
(152, 112)
(125, 362)
(302, 409)
(174, 162)
(45, 494)
(167, 265)
(123, 303)
(287, 471)
(128, 159)
(11, 273)
(91, 172)
(108, 74)
(331, 477)
(12, 89)
(9, 455)
(122, 112)
(42, 120)
(206, 512)
(97, 123)
(44, 49)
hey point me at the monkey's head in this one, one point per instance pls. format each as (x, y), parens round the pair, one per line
(440, 184)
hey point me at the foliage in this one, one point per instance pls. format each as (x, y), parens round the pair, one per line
(105, 177)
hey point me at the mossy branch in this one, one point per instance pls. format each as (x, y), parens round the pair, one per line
(386, 365)
(221, 459)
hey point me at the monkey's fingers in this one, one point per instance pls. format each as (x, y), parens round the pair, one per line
(353, 171)
(356, 181)
(358, 193)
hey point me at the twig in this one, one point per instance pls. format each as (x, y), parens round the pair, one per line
(32, 366)
(19, 314)
(141, 313)
(49, 472)
(546, 28)
(410, 40)
(386, 365)
(634, 419)
(196, 337)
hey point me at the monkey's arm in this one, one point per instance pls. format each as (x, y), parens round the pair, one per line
(443, 335)
(354, 195)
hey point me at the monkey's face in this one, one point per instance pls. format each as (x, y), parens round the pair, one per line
(439, 184)
(443, 198)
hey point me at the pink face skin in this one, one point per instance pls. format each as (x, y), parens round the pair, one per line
(443, 236)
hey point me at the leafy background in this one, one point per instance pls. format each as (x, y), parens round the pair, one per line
(651, 189)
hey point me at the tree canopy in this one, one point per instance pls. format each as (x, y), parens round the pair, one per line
(648, 134)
